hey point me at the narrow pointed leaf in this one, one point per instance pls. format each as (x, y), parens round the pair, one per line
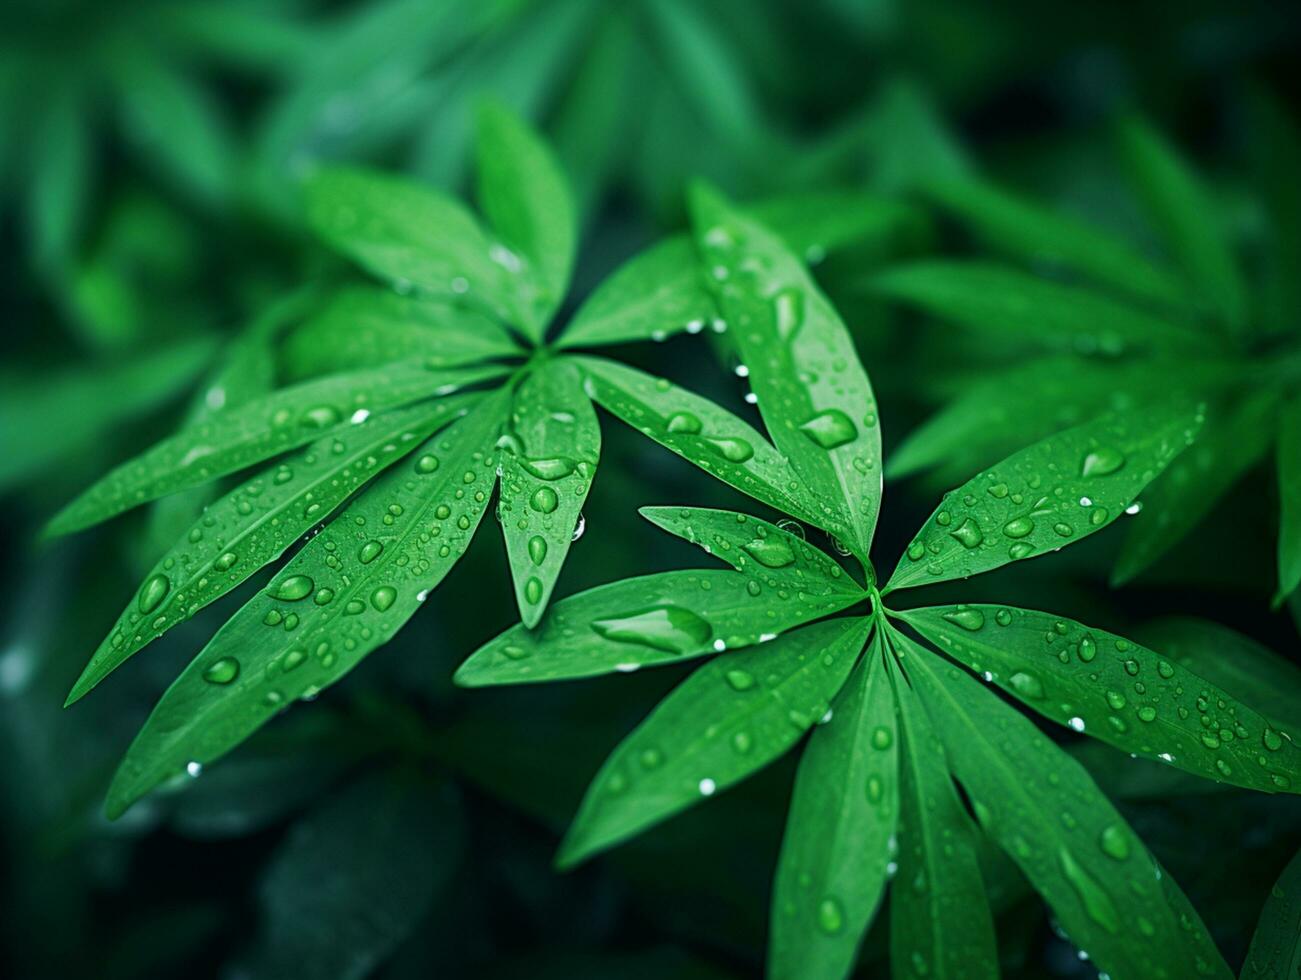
(1043, 810)
(749, 544)
(1275, 952)
(940, 921)
(1238, 664)
(655, 294)
(1049, 495)
(1116, 690)
(347, 592)
(1289, 497)
(410, 235)
(650, 620)
(363, 326)
(729, 719)
(813, 394)
(254, 524)
(1040, 235)
(233, 440)
(548, 460)
(839, 834)
(714, 439)
(527, 200)
(1232, 441)
(1187, 217)
(1005, 303)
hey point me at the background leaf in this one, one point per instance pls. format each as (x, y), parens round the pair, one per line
(1275, 952)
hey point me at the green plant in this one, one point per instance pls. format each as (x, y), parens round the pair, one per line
(894, 723)
(1090, 325)
(471, 309)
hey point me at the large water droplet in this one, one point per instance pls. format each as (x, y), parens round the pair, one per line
(1027, 685)
(788, 312)
(967, 618)
(672, 629)
(533, 590)
(293, 588)
(1102, 461)
(320, 417)
(967, 534)
(684, 423)
(1018, 527)
(221, 671)
(537, 549)
(1097, 903)
(544, 500)
(771, 552)
(153, 592)
(552, 468)
(732, 450)
(383, 597)
(830, 429)
(369, 552)
(739, 680)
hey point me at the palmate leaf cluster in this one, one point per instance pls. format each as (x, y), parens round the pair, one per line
(1076, 321)
(412, 404)
(909, 762)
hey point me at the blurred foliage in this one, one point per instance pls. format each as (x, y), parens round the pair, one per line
(151, 155)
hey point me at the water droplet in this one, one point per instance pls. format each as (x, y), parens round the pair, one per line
(967, 618)
(225, 561)
(1102, 461)
(537, 549)
(383, 597)
(369, 552)
(882, 737)
(1088, 648)
(672, 629)
(293, 588)
(770, 552)
(221, 671)
(1114, 842)
(684, 423)
(427, 463)
(320, 417)
(739, 680)
(544, 500)
(788, 312)
(1027, 685)
(1018, 527)
(533, 590)
(742, 742)
(1272, 740)
(831, 917)
(967, 534)
(1003, 617)
(707, 787)
(153, 592)
(875, 789)
(552, 468)
(1097, 903)
(1147, 713)
(830, 429)
(732, 450)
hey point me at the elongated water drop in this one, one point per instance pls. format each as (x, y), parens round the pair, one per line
(732, 450)
(967, 618)
(831, 917)
(293, 588)
(533, 590)
(1097, 903)
(830, 429)
(967, 534)
(770, 552)
(1102, 461)
(221, 671)
(153, 592)
(369, 552)
(788, 312)
(684, 423)
(672, 629)
(552, 468)
(537, 549)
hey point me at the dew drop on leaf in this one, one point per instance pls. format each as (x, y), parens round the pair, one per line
(383, 597)
(544, 500)
(153, 592)
(293, 588)
(1102, 461)
(672, 629)
(770, 552)
(537, 549)
(967, 618)
(221, 671)
(684, 423)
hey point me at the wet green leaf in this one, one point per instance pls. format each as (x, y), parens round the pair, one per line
(730, 718)
(813, 393)
(940, 921)
(345, 593)
(714, 439)
(1234, 438)
(548, 459)
(233, 440)
(1048, 495)
(750, 544)
(1275, 952)
(1187, 217)
(256, 522)
(1115, 690)
(527, 200)
(1289, 496)
(839, 835)
(1043, 810)
(650, 620)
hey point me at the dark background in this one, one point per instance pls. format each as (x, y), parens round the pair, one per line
(148, 153)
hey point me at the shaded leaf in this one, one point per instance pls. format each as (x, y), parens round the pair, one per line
(839, 834)
(232, 440)
(814, 224)
(650, 620)
(1115, 690)
(813, 394)
(1043, 810)
(1275, 952)
(730, 718)
(548, 461)
(256, 522)
(1046, 496)
(1289, 496)
(347, 592)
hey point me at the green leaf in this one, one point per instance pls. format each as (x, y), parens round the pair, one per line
(346, 593)
(362, 326)
(410, 235)
(1187, 217)
(814, 224)
(1275, 952)
(1232, 441)
(548, 461)
(1005, 303)
(1289, 497)
(729, 719)
(839, 835)
(1045, 812)
(650, 620)
(355, 877)
(748, 543)
(240, 437)
(1046, 496)
(655, 294)
(1240, 665)
(254, 524)
(714, 439)
(940, 920)
(813, 394)
(1042, 236)
(1117, 691)
(526, 198)
(63, 158)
